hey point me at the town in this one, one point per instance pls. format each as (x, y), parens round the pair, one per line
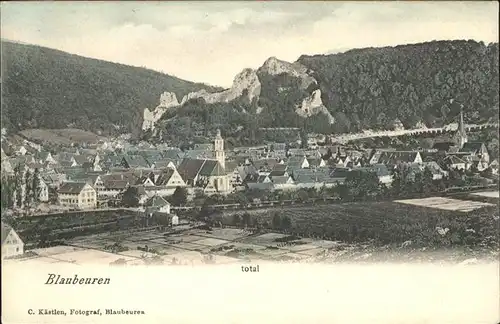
(117, 188)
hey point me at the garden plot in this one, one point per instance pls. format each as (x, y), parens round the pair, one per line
(312, 252)
(40, 261)
(182, 238)
(272, 252)
(265, 239)
(211, 242)
(139, 237)
(89, 257)
(226, 233)
(55, 250)
(189, 246)
(245, 246)
(301, 247)
(90, 243)
(446, 203)
(489, 194)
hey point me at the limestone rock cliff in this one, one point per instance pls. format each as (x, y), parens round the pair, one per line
(247, 84)
(167, 100)
(245, 80)
(273, 66)
(313, 105)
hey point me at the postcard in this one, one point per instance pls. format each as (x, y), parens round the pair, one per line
(239, 162)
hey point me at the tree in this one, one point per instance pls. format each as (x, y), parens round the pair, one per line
(246, 219)
(286, 223)
(130, 197)
(276, 221)
(179, 197)
(303, 139)
(35, 185)
(362, 185)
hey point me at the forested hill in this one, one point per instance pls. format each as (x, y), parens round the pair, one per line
(367, 88)
(47, 88)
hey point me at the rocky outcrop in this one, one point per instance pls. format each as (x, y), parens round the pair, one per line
(313, 105)
(273, 66)
(167, 100)
(246, 84)
(246, 81)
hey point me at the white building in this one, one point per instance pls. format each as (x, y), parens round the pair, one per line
(77, 195)
(12, 244)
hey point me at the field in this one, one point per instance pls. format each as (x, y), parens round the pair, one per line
(383, 223)
(446, 203)
(489, 194)
(60, 136)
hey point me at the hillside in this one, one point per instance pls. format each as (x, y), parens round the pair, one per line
(372, 88)
(47, 88)
(413, 83)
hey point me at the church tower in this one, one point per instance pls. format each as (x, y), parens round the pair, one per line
(220, 155)
(462, 136)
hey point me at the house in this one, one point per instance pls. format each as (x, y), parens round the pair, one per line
(297, 162)
(258, 182)
(157, 204)
(338, 175)
(198, 154)
(396, 157)
(279, 170)
(381, 171)
(43, 190)
(43, 157)
(134, 162)
(165, 164)
(12, 244)
(232, 171)
(53, 180)
(455, 162)
(204, 147)
(316, 162)
(112, 187)
(308, 181)
(7, 168)
(476, 149)
(283, 182)
(479, 164)
(437, 171)
(266, 164)
(77, 195)
(172, 154)
(494, 166)
(21, 150)
(444, 146)
(278, 149)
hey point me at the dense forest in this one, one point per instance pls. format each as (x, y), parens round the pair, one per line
(47, 88)
(370, 88)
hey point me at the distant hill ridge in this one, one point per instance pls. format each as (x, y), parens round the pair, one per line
(373, 88)
(48, 88)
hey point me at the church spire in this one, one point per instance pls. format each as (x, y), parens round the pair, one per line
(220, 155)
(461, 128)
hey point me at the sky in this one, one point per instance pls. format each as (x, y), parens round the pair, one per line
(211, 42)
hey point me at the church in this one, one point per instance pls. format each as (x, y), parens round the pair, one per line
(208, 175)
